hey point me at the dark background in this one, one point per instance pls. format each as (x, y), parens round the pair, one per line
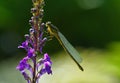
(88, 24)
(85, 23)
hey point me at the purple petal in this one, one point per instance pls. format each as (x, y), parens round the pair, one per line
(23, 65)
(47, 58)
(45, 64)
(24, 45)
(48, 67)
(31, 53)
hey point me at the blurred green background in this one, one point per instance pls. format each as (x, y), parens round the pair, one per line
(93, 26)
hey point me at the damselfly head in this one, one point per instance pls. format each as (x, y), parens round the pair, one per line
(51, 28)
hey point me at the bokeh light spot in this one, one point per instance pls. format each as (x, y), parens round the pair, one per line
(90, 4)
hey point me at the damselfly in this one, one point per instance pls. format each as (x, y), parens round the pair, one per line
(54, 31)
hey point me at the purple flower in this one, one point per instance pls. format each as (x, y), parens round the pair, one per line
(43, 60)
(24, 45)
(31, 53)
(47, 58)
(46, 66)
(23, 64)
(34, 44)
(46, 69)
